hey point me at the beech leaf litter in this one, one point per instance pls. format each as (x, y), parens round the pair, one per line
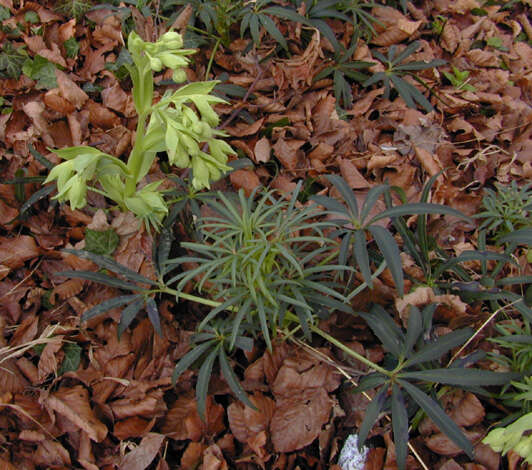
(78, 395)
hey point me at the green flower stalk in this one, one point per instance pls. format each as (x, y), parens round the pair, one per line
(186, 133)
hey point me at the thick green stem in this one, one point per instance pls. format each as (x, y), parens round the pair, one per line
(134, 162)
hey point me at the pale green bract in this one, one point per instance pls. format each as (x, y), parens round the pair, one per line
(513, 437)
(186, 133)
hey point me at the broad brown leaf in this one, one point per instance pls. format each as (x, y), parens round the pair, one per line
(142, 456)
(73, 404)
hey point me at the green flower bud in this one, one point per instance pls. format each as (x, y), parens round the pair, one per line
(179, 76)
(171, 40)
(156, 64)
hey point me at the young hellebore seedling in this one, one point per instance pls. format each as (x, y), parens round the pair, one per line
(169, 125)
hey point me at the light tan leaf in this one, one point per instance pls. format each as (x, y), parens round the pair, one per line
(351, 174)
(262, 150)
(142, 456)
(246, 422)
(430, 161)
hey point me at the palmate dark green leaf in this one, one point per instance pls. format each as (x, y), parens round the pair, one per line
(462, 377)
(360, 250)
(107, 305)
(232, 380)
(435, 350)
(111, 265)
(204, 377)
(129, 314)
(435, 412)
(383, 326)
(389, 249)
(399, 426)
(189, 358)
(371, 415)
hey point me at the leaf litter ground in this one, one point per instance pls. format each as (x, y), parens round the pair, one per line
(109, 403)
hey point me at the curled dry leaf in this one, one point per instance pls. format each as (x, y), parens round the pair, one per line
(69, 90)
(425, 295)
(142, 455)
(73, 404)
(51, 454)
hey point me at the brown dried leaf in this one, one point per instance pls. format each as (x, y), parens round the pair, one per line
(48, 361)
(73, 404)
(50, 454)
(102, 117)
(14, 252)
(142, 455)
(246, 422)
(70, 91)
(467, 410)
(442, 445)
(351, 174)
(246, 180)
(297, 420)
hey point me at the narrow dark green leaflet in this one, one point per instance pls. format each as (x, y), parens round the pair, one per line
(153, 315)
(414, 330)
(111, 265)
(390, 335)
(107, 305)
(371, 199)
(520, 237)
(40, 158)
(462, 377)
(36, 197)
(435, 350)
(129, 314)
(204, 377)
(371, 415)
(435, 412)
(347, 194)
(189, 358)
(399, 426)
(370, 381)
(232, 381)
(391, 253)
(101, 279)
(360, 251)
(419, 208)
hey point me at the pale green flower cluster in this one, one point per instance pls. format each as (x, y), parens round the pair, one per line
(512, 437)
(182, 124)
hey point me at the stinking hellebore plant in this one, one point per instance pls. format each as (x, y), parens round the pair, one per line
(169, 125)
